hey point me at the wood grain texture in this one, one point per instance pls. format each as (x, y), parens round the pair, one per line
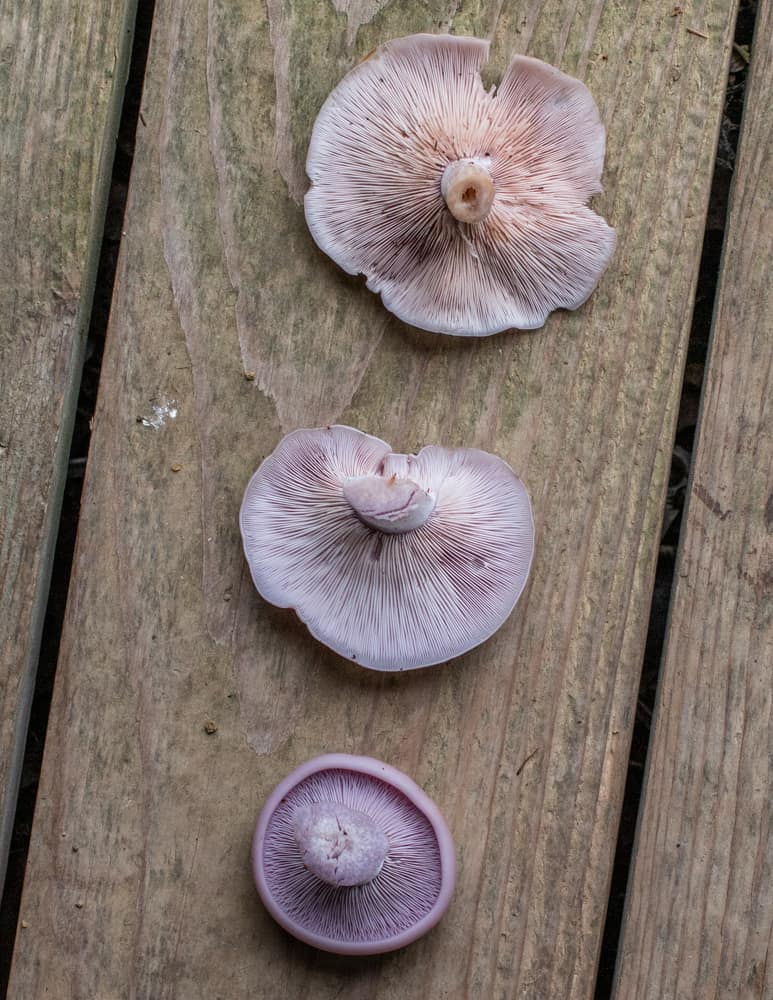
(63, 66)
(700, 910)
(523, 743)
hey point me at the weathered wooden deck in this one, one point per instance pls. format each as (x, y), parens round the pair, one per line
(137, 881)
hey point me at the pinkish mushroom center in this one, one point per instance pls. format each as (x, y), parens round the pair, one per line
(468, 189)
(341, 846)
(390, 503)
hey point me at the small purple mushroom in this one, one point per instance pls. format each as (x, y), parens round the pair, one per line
(350, 856)
(394, 561)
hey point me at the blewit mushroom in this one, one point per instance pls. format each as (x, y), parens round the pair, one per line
(465, 208)
(394, 561)
(351, 856)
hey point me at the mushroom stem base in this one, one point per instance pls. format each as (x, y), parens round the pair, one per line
(468, 189)
(389, 503)
(341, 846)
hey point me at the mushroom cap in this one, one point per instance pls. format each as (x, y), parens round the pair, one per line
(388, 601)
(406, 898)
(378, 152)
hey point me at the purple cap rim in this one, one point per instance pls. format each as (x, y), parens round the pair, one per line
(419, 798)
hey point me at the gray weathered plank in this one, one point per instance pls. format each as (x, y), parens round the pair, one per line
(700, 912)
(523, 742)
(63, 66)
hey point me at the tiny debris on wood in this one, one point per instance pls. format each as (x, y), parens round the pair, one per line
(176, 467)
(210, 728)
(250, 376)
(710, 502)
(743, 52)
(165, 409)
(531, 756)
(694, 31)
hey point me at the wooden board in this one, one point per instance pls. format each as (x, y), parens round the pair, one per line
(63, 66)
(700, 909)
(523, 743)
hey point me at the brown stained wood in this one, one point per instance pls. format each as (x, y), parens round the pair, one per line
(63, 65)
(700, 908)
(523, 742)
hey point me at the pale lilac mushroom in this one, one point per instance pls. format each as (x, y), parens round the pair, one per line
(394, 561)
(351, 856)
(465, 208)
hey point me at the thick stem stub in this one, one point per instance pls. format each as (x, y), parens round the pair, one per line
(389, 503)
(339, 845)
(468, 189)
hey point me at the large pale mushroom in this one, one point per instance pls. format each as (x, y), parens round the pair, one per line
(394, 561)
(465, 208)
